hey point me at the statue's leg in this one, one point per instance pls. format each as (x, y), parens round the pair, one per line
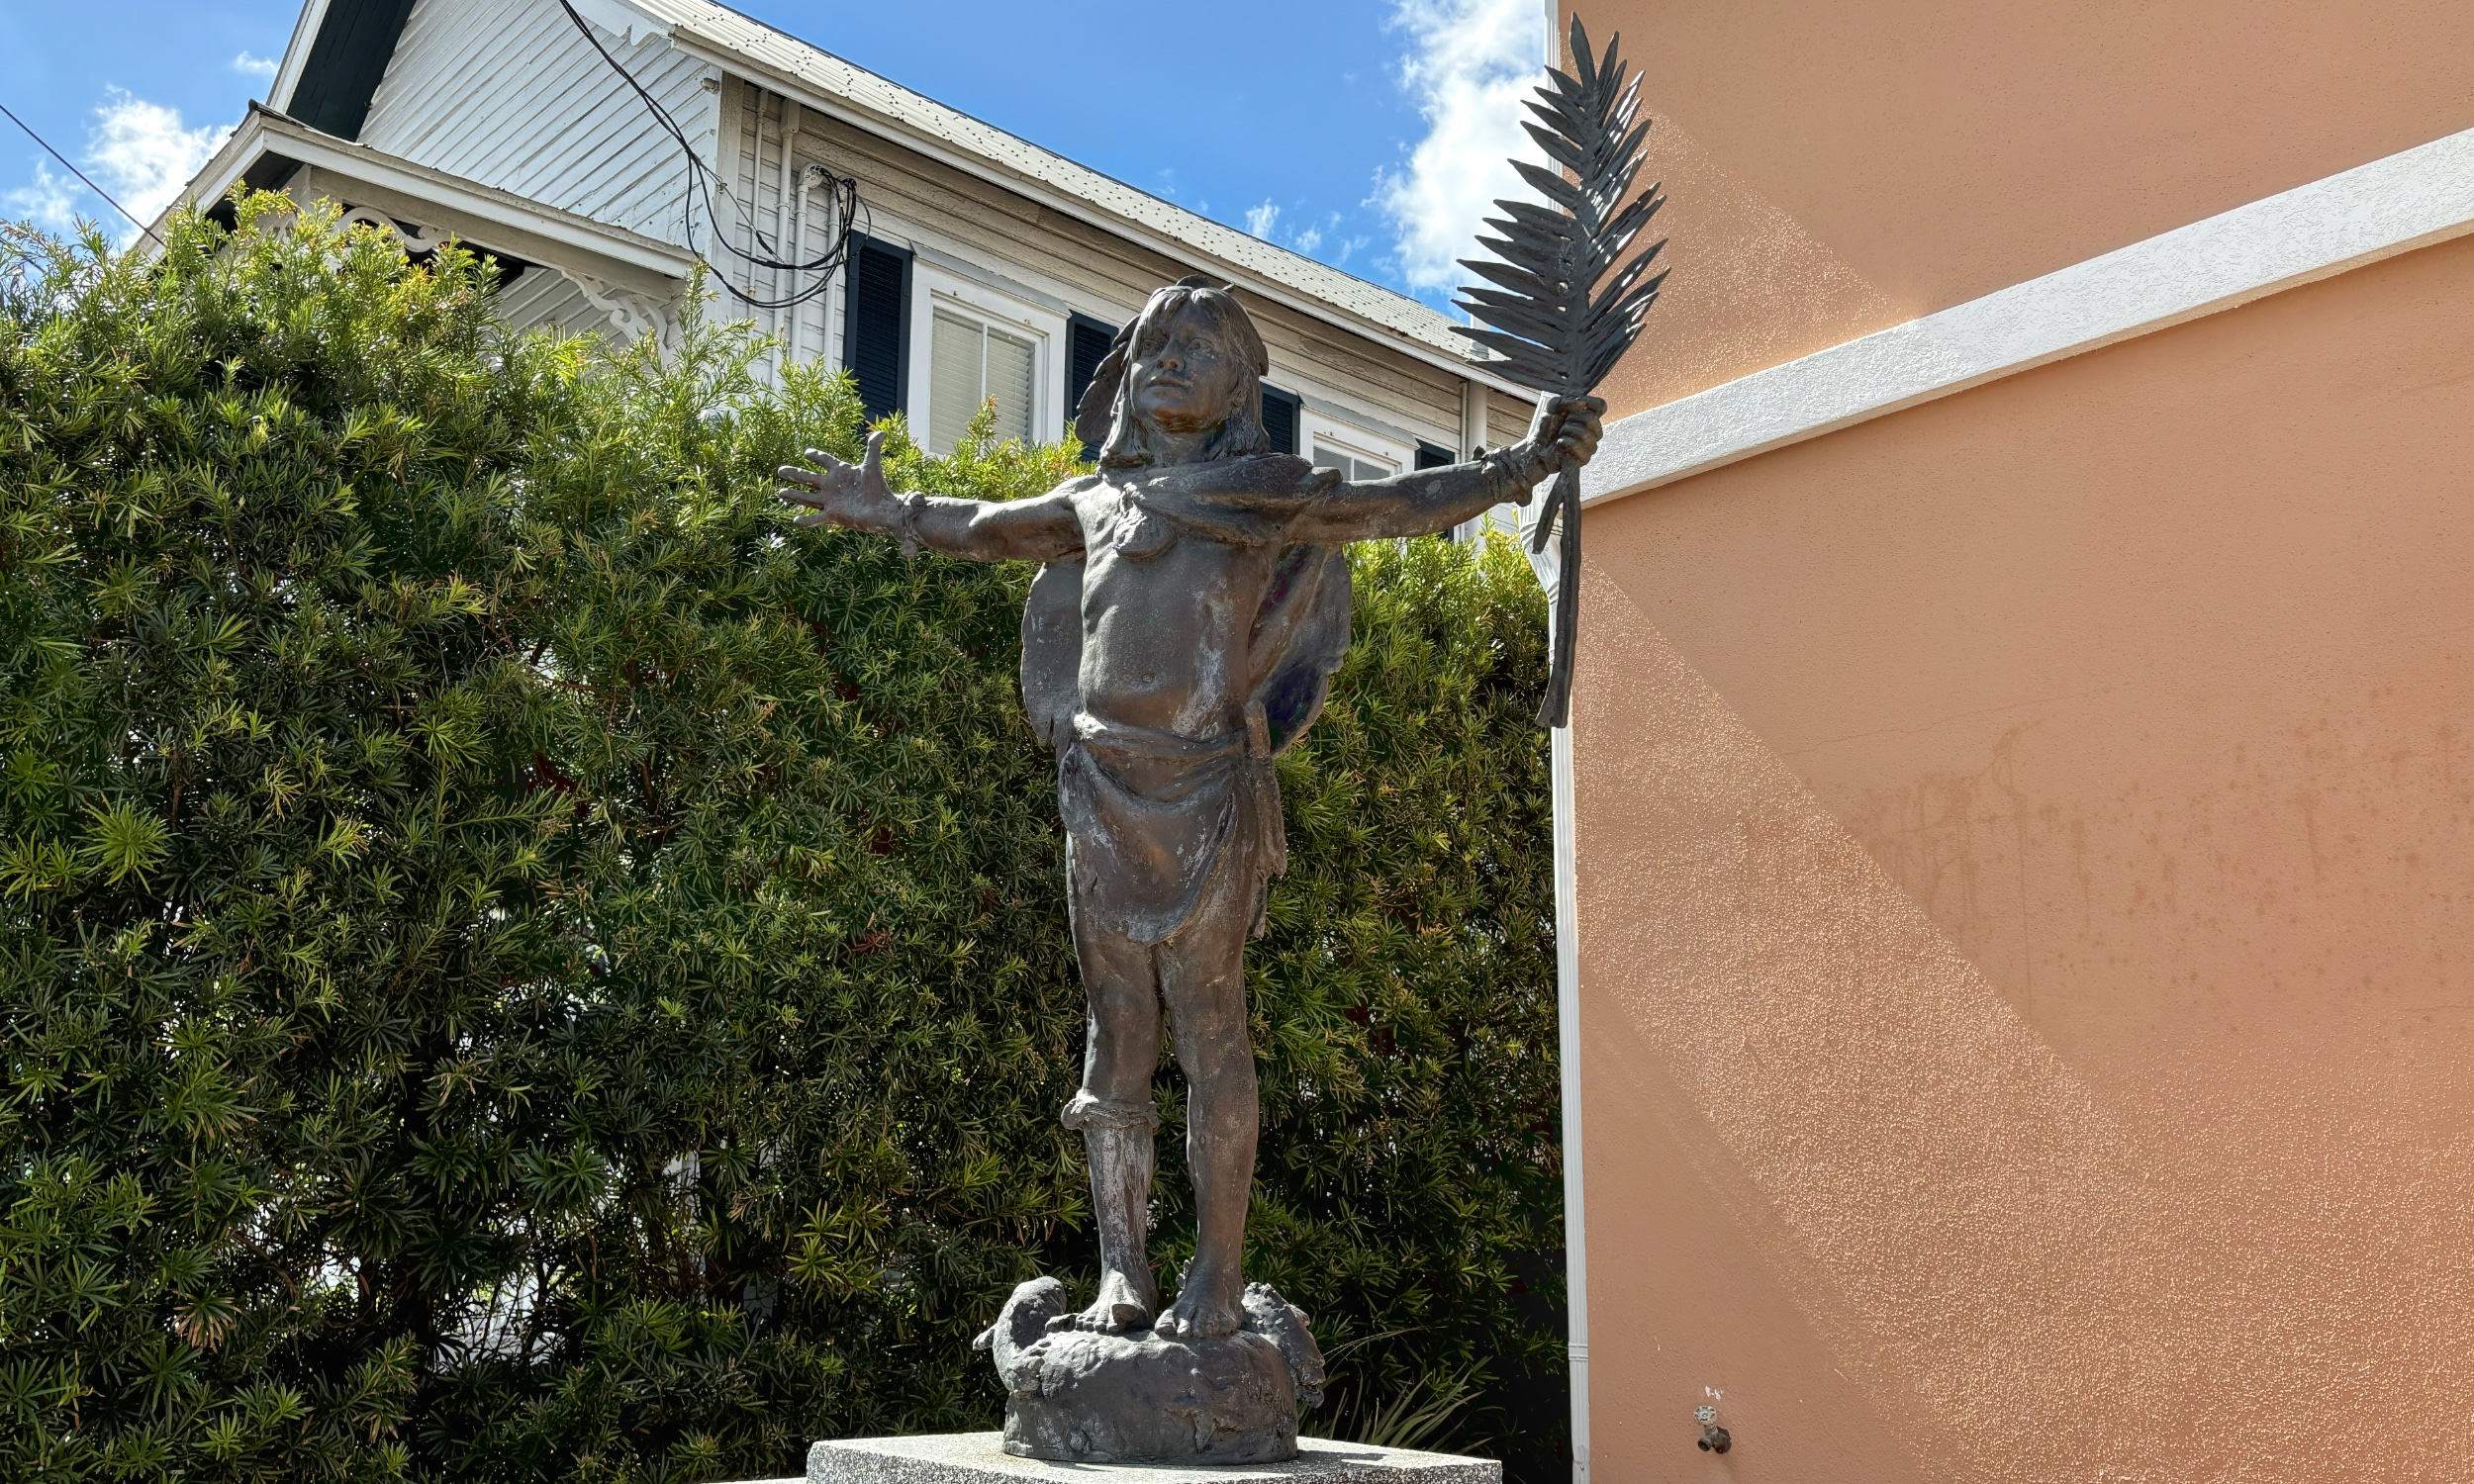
(1202, 977)
(1113, 1111)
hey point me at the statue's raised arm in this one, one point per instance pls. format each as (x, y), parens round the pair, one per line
(1436, 500)
(980, 531)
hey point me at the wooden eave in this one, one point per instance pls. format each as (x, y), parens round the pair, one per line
(480, 214)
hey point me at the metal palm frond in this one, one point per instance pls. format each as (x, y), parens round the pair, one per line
(1563, 312)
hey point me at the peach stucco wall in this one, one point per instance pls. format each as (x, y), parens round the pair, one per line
(2027, 887)
(1834, 168)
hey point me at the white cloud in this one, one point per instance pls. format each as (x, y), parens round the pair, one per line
(138, 150)
(1471, 63)
(1263, 221)
(256, 66)
(140, 153)
(49, 203)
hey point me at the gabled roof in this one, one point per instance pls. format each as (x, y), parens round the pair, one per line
(328, 63)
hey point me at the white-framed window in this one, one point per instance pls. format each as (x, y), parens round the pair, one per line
(971, 343)
(1355, 466)
(972, 363)
(1358, 453)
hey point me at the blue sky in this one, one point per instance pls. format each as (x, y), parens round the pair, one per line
(1362, 132)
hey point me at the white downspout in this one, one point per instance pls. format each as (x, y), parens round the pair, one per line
(1567, 1039)
(780, 238)
(1568, 1052)
(797, 254)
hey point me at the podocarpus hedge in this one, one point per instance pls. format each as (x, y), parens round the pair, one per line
(519, 964)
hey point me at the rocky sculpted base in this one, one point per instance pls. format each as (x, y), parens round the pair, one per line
(1073, 1396)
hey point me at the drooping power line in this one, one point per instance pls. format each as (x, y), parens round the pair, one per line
(80, 174)
(842, 203)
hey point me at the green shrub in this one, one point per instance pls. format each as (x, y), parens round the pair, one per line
(518, 964)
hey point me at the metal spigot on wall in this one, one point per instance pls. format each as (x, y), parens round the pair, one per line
(1714, 1438)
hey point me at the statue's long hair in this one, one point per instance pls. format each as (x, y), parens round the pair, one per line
(1127, 442)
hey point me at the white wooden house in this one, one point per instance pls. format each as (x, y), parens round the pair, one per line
(983, 266)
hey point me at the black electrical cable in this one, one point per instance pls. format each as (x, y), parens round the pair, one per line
(843, 203)
(80, 174)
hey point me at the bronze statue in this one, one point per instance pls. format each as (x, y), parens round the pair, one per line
(1182, 631)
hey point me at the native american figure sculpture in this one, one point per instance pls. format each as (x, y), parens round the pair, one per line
(1182, 631)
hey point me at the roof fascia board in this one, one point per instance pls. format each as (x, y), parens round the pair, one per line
(217, 176)
(296, 56)
(420, 193)
(2411, 199)
(498, 208)
(485, 234)
(807, 95)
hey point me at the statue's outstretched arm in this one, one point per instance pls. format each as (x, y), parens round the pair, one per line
(979, 530)
(1434, 500)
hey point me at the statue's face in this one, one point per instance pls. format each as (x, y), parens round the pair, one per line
(1187, 381)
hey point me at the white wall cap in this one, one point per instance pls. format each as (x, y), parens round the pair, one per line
(2407, 200)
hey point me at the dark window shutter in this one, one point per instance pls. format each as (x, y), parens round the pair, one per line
(1087, 343)
(875, 335)
(1280, 418)
(1431, 457)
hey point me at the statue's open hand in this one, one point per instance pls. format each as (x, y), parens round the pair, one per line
(1566, 432)
(838, 492)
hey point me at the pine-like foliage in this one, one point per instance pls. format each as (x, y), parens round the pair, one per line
(519, 965)
(1568, 305)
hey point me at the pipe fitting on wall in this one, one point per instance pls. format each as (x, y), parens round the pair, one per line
(1714, 1438)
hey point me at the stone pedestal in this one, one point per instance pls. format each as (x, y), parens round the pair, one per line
(980, 1458)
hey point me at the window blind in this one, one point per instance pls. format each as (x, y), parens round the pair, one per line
(969, 362)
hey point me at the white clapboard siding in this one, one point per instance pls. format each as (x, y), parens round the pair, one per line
(506, 93)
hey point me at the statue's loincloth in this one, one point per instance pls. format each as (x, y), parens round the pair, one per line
(1153, 814)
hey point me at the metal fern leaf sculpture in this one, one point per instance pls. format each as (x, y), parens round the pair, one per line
(1562, 313)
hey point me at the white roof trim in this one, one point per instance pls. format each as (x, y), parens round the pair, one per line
(296, 56)
(2407, 200)
(526, 224)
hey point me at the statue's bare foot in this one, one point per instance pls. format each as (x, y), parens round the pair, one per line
(1207, 1305)
(1120, 1310)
